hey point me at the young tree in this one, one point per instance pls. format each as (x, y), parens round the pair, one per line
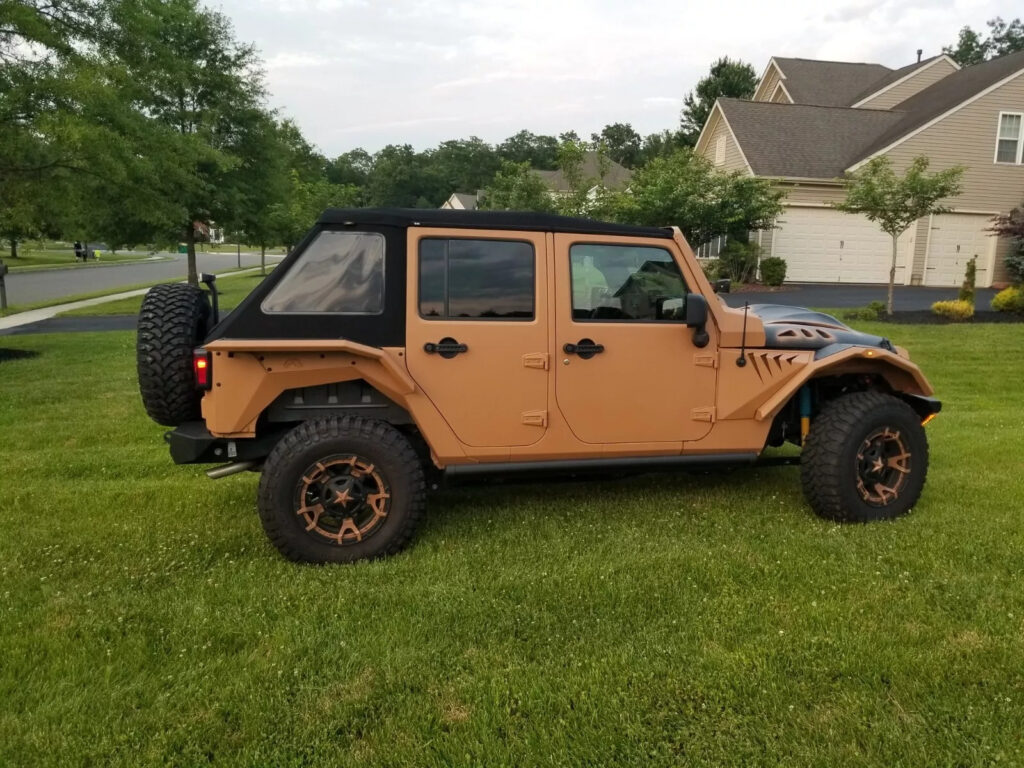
(1011, 225)
(895, 202)
(291, 218)
(1003, 38)
(735, 79)
(684, 189)
(516, 187)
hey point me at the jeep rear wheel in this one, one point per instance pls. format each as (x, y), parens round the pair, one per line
(341, 489)
(173, 321)
(865, 459)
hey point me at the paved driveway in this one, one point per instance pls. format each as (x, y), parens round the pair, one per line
(50, 284)
(907, 297)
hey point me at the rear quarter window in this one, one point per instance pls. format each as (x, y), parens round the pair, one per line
(339, 273)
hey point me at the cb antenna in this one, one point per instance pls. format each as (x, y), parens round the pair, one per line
(742, 359)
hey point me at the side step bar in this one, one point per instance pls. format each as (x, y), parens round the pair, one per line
(633, 463)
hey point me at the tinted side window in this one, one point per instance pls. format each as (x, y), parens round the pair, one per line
(476, 279)
(338, 273)
(625, 283)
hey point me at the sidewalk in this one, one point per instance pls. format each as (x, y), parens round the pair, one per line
(45, 313)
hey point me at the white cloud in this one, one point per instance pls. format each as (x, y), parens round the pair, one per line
(361, 73)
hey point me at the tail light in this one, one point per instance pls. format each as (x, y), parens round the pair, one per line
(202, 369)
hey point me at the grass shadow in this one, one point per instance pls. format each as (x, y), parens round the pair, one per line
(16, 354)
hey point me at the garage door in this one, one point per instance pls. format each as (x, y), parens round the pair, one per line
(821, 245)
(954, 239)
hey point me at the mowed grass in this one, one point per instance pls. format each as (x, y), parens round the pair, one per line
(662, 620)
(66, 258)
(231, 292)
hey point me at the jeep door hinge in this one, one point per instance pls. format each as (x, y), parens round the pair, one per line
(536, 360)
(706, 361)
(703, 414)
(535, 418)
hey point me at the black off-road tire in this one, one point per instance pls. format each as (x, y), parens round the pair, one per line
(838, 447)
(173, 321)
(322, 442)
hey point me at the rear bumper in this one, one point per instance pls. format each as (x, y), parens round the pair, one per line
(192, 443)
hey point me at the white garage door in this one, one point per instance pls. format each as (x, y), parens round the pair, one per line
(821, 245)
(954, 239)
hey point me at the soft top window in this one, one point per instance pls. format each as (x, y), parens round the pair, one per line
(337, 273)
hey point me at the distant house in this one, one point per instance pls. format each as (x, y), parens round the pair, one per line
(615, 177)
(810, 122)
(461, 201)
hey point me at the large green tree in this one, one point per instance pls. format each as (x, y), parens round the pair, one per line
(972, 47)
(685, 190)
(541, 152)
(735, 79)
(896, 201)
(623, 143)
(464, 165)
(199, 90)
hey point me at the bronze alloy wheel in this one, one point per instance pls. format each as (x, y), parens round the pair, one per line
(883, 465)
(343, 499)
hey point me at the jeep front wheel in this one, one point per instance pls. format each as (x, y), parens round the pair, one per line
(341, 489)
(865, 459)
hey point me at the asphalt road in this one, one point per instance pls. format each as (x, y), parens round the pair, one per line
(50, 284)
(905, 297)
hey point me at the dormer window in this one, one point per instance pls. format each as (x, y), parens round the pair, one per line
(1010, 139)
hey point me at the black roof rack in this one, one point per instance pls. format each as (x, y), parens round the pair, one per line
(510, 220)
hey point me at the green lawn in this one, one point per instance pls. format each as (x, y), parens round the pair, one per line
(232, 291)
(692, 619)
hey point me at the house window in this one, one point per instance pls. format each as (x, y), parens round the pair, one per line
(625, 283)
(476, 279)
(1009, 140)
(720, 151)
(340, 273)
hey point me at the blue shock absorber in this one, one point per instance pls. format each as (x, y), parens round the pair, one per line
(805, 412)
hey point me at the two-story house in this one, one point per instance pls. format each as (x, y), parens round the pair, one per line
(811, 122)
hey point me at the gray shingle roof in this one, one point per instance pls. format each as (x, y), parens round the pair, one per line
(617, 177)
(800, 140)
(828, 83)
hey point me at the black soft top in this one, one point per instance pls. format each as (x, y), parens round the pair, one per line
(511, 220)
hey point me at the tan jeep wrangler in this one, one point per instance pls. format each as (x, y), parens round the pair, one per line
(394, 346)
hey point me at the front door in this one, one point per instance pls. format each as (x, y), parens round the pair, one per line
(477, 332)
(627, 369)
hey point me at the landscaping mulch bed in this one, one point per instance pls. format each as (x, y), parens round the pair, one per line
(927, 317)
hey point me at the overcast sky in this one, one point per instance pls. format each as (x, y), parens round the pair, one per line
(365, 73)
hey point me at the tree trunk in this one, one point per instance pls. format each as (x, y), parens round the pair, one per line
(190, 246)
(263, 258)
(892, 275)
(14, 248)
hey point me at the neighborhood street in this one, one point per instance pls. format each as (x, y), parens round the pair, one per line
(49, 284)
(835, 296)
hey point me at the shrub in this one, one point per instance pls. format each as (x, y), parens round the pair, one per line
(773, 270)
(738, 261)
(957, 309)
(970, 276)
(1015, 263)
(872, 311)
(712, 268)
(1010, 300)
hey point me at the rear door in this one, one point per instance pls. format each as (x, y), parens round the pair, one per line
(477, 332)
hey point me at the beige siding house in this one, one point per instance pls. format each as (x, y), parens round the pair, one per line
(811, 122)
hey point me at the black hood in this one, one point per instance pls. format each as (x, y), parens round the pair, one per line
(798, 328)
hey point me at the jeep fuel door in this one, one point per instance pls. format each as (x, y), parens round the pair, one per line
(477, 331)
(626, 368)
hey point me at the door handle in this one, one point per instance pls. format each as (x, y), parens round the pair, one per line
(585, 348)
(446, 348)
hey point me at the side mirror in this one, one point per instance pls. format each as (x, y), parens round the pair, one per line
(722, 286)
(697, 318)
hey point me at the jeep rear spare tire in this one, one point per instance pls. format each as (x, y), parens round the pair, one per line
(173, 321)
